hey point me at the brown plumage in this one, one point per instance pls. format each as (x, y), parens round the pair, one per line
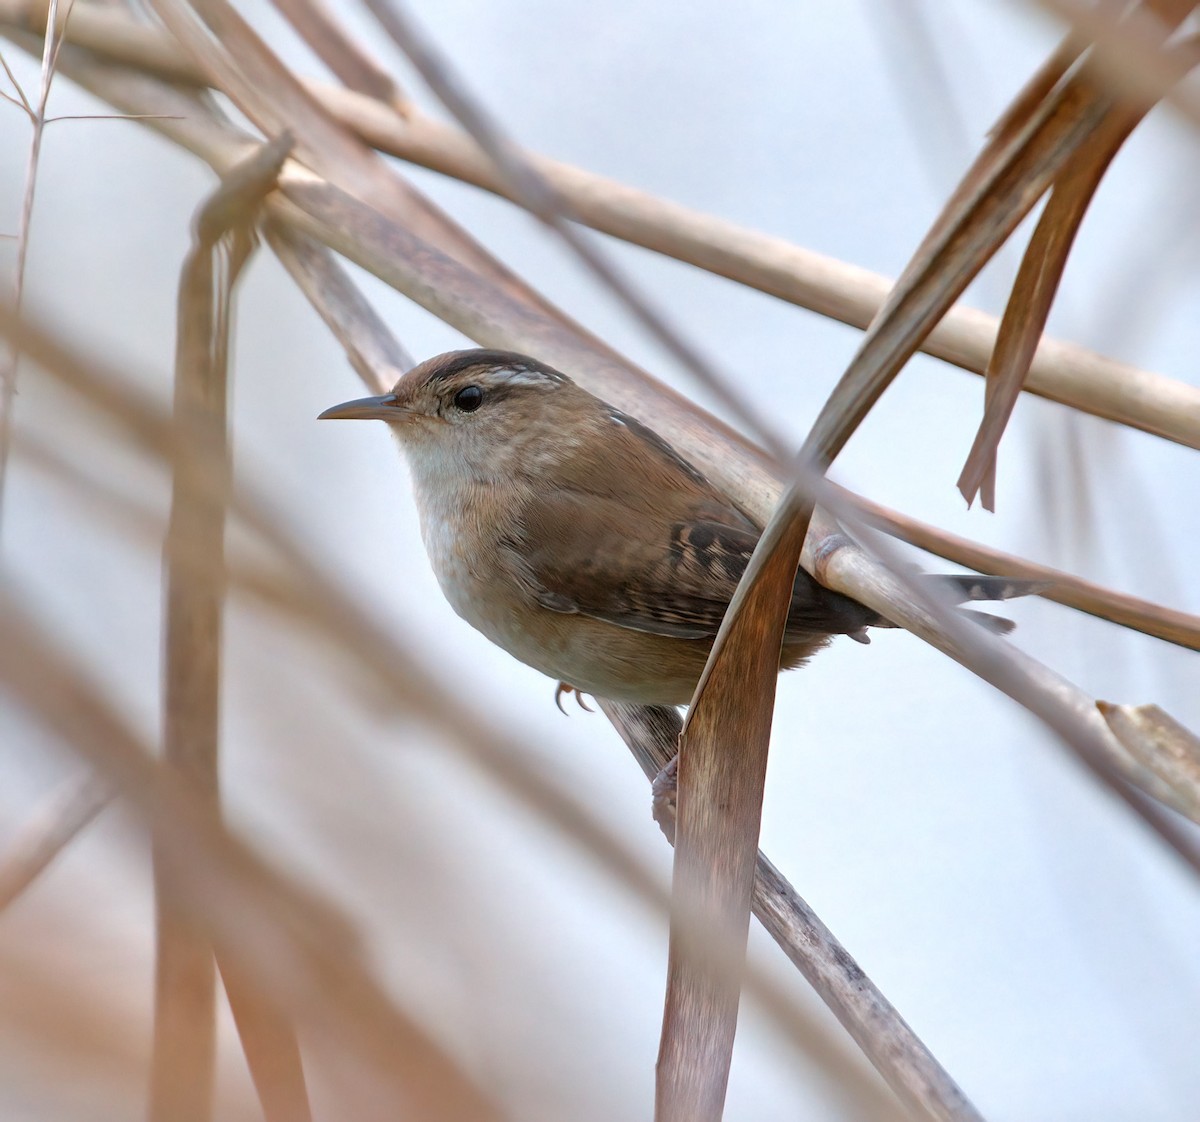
(575, 537)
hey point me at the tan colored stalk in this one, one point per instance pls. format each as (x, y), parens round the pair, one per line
(182, 1065)
(896, 1052)
(48, 832)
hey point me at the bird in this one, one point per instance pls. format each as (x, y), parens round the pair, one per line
(580, 541)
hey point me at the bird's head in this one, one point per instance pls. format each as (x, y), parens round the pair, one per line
(481, 412)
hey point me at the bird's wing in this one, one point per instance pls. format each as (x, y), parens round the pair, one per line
(642, 540)
(592, 555)
(597, 557)
(638, 538)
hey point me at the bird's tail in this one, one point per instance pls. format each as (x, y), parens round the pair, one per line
(966, 589)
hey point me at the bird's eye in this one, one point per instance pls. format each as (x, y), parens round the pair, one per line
(468, 399)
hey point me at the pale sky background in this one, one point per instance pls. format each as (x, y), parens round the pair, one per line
(1033, 934)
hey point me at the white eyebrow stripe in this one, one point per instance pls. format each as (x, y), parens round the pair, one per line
(524, 376)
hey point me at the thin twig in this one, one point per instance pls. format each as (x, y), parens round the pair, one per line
(114, 117)
(9, 356)
(20, 101)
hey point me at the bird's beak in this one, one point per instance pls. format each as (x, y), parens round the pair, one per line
(385, 407)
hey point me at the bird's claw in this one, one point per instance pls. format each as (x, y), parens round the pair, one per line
(562, 688)
(664, 792)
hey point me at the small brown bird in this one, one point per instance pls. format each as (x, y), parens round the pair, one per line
(579, 540)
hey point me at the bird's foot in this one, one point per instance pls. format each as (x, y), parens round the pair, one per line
(562, 688)
(663, 791)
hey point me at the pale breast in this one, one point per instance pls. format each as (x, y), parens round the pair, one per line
(479, 577)
(464, 563)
